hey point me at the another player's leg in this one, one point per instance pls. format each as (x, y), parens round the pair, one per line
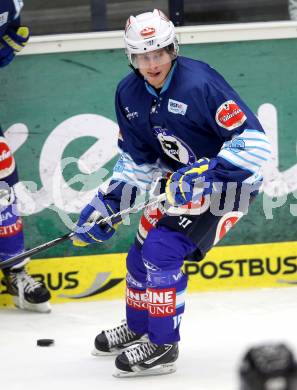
(163, 253)
(133, 330)
(27, 293)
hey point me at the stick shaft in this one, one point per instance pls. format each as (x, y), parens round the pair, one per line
(59, 240)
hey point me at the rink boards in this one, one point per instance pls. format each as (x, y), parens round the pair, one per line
(102, 277)
(69, 134)
(64, 124)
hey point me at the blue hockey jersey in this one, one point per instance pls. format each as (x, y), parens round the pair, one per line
(196, 114)
(11, 226)
(9, 14)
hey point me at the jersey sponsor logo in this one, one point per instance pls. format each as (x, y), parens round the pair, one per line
(161, 302)
(174, 147)
(136, 299)
(11, 230)
(177, 107)
(226, 223)
(3, 18)
(131, 115)
(229, 115)
(147, 32)
(7, 163)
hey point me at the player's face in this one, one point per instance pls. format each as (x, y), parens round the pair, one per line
(154, 66)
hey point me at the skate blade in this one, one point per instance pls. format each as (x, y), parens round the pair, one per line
(161, 369)
(44, 307)
(96, 352)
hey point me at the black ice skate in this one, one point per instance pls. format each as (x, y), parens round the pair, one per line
(114, 341)
(147, 359)
(28, 294)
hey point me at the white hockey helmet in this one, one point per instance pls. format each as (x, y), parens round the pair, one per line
(148, 32)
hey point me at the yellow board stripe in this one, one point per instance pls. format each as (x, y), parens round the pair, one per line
(96, 277)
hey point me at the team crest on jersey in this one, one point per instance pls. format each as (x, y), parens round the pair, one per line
(236, 145)
(3, 18)
(177, 107)
(229, 115)
(174, 147)
(7, 162)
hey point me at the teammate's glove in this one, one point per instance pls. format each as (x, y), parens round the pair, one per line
(188, 184)
(12, 42)
(87, 230)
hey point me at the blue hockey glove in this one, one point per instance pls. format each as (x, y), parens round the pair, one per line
(89, 232)
(11, 43)
(16, 39)
(188, 184)
(6, 55)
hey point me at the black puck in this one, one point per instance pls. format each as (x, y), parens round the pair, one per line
(45, 342)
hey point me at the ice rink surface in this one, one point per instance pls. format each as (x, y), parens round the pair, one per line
(216, 330)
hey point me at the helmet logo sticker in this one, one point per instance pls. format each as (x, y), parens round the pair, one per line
(147, 32)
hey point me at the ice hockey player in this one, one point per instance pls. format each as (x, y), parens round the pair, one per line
(27, 293)
(175, 114)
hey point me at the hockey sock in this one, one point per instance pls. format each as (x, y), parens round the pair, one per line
(136, 297)
(166, 304)
(163, 254)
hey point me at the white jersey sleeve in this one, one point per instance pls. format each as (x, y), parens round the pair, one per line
(141, 176)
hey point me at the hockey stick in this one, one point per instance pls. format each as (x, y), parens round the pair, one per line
(111, 218)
